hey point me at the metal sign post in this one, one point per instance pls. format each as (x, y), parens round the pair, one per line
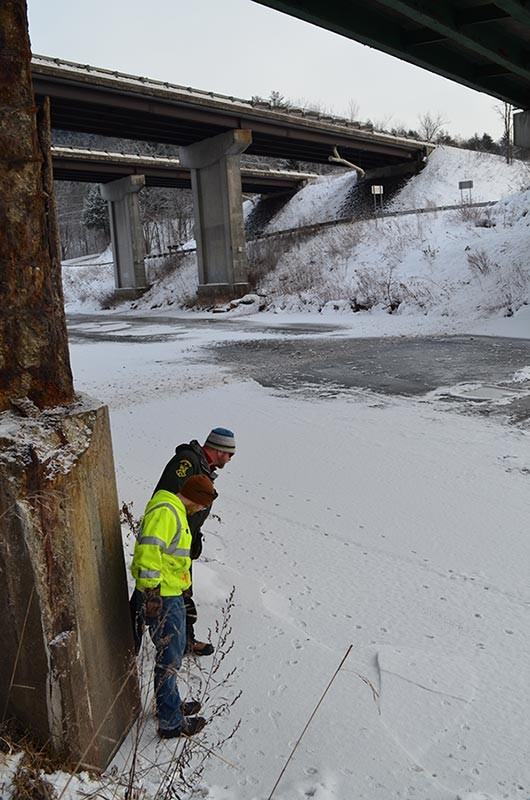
(377, 191)
(465, 185)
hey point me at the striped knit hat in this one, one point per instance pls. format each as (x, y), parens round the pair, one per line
(221, 439)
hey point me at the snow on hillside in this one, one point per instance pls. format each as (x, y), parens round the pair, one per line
(437, 183)
(452, 265)
(430, 271)
(318, 201)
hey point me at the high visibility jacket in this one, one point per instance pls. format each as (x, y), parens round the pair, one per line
(162, 550)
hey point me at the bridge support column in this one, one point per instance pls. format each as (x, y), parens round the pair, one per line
(218, 208)
(521, 129)
(67, 672)
(126, 232)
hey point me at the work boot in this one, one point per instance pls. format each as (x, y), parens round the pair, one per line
(190, 708)
(190, 726)
(200, 648)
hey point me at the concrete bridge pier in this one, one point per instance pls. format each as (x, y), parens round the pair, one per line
(218, 207)
(126, 233)
(67, 671)
(521, 129)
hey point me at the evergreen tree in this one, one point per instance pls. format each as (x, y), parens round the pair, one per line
(445, 138)
(488, 145)
(95, 212)
(484, 143)
(277, 100)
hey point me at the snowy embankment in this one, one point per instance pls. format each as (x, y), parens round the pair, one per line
(445, 269)
(437, 183)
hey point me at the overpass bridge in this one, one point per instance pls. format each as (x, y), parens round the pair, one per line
(482, 44)
(212, 131)
(94, 100)
(102, 166)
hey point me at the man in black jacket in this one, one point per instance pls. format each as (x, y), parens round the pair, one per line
(194, 459)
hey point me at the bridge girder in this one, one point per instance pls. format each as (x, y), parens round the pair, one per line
(92, 100)
(480, 44)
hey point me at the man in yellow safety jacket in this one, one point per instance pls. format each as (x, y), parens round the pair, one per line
(161, 569)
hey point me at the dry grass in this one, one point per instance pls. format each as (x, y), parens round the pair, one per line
(480, 262)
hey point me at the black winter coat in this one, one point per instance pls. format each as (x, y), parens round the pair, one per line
(189, 459)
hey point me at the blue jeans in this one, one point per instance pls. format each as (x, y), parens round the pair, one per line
(168, 633)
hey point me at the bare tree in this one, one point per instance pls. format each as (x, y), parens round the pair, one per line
(76, 240)
(167, 217)
(383, 123)
(431, 125)
(352, 110)
(505, 112)
(316, 106)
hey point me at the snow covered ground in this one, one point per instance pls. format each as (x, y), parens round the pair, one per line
(393, 525)
(396, 526)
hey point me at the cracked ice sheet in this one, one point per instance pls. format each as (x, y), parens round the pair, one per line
(424, 696)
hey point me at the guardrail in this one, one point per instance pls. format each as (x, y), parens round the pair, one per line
(367, 216)
(317, 226)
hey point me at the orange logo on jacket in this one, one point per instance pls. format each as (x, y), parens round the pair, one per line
(184, 468)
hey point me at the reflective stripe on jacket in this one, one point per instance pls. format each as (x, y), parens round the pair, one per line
(162, 550)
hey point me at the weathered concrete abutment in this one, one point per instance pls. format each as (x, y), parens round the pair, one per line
(67, 672)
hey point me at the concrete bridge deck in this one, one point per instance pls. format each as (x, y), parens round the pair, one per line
(94, 100)
(101, 166)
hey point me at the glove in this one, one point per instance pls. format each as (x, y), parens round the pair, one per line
(152, 603)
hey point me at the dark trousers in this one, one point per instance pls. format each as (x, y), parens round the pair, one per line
(191, 614)
(168, 635)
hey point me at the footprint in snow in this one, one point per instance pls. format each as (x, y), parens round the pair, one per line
(278, 690)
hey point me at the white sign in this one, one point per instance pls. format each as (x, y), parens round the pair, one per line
(377, 190)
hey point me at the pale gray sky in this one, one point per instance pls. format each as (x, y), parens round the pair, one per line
(240, 48)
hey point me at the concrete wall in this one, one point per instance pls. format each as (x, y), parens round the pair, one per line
(521, 129)
(67, 672)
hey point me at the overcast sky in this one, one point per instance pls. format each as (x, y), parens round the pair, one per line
(240, 48)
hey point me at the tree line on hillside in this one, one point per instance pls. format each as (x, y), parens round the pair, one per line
(430, 128)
